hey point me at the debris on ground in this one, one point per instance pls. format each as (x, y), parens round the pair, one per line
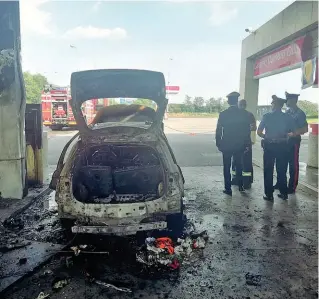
(163, 252)
(40, 227)
(107, 285)
(14, 223)
(9, 247)
(252, 279)
(60, 284)
(158, 252)
(69, 261)
(46, 273)
(42, 296)
(76, 250)
(23, 261)
(80, 249)
(280, 224)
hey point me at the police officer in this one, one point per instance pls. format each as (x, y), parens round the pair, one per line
(301, 126)
(232, 139)
(247, 157)
(278, 126)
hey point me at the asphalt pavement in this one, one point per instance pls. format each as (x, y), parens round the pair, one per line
(193, 142)
(276, 242)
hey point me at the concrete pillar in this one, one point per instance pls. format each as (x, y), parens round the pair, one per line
(12, 137)
(12, 104)
(313, 147)
(249, 86)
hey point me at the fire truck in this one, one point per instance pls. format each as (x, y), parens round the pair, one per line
(56, 108)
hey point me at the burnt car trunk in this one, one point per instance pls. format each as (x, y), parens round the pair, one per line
(117, 174)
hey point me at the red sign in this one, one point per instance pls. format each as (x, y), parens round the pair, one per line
(282, 59)
(172, 89)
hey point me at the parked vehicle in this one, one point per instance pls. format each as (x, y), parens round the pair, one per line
(121, 176)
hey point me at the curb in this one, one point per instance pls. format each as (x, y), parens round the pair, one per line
(26, 202)
(302, 185)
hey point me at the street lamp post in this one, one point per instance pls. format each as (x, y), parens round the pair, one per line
(168, 77)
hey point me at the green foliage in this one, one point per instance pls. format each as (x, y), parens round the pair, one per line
(145, 102)
(310, 108)
(199, 105)
(34, 84)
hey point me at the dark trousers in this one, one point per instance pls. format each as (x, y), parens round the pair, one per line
(227, 161)
(293, 156)
(275, 152)
(248, 171)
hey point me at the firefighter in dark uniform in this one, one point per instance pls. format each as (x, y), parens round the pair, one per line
(301, 125)
(232, 139)
(248, 173)
(278, 127)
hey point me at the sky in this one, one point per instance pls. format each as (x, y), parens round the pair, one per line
(197, 45)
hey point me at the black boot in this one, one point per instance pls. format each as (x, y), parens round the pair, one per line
(241, 189)
(269, 197)
(228, 192)
(283, 196)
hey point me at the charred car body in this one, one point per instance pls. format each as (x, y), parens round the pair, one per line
(120, 176)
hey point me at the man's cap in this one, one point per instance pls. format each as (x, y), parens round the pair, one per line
(233, 94)
(292, 96)
(278, 100)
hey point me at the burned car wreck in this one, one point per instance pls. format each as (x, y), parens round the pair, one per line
(120, 175)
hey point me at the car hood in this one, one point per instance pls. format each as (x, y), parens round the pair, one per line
(117, 83)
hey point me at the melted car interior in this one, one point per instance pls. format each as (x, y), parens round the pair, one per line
(117, 174)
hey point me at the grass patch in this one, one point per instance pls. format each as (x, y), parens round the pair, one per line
(312, 120)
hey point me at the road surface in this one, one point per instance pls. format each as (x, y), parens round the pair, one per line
(193, 141)
(278, 241)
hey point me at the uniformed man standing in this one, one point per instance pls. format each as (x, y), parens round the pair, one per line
(301, 126)
(247, 157)
(232, 139)
(278, 127)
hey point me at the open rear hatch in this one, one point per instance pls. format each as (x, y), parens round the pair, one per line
(116, 84)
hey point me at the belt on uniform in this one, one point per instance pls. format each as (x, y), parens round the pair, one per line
(279, 140)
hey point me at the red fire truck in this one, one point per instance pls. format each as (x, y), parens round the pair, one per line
(56, 109)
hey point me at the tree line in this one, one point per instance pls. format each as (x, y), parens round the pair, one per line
(34, 84)
(199, 105)
(213, 105)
